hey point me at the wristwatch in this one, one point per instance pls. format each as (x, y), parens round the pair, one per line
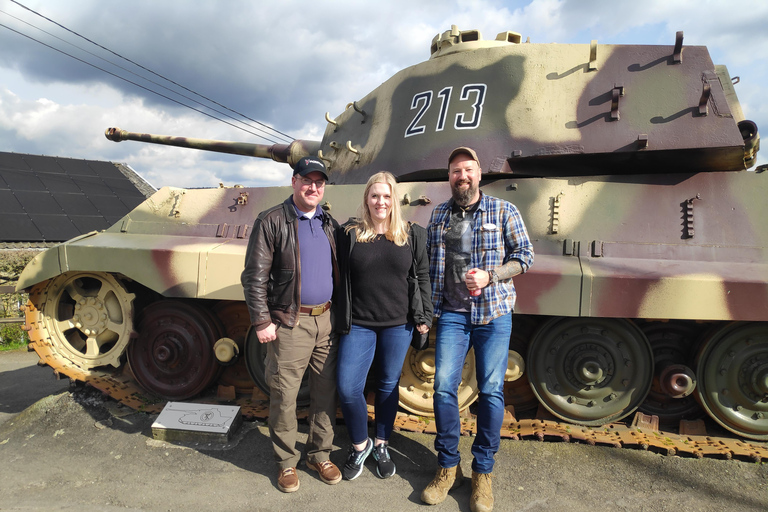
(493, 277)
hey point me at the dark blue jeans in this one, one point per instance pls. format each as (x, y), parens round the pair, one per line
(357, 351)
(455, 336)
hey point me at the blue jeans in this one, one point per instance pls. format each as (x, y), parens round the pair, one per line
(455, 336)
(357, 351)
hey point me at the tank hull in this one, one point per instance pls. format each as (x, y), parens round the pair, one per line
(607, 250)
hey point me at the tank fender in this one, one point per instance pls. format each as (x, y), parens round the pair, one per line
(182, 267)
(48, 264)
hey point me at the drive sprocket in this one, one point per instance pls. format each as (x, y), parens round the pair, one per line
(87, 318)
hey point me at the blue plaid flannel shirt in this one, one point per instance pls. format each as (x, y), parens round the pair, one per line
(499, 236)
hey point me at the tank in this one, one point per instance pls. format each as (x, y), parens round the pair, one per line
(629, 164)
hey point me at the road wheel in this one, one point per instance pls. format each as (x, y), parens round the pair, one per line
(417, 382)
(672, 344)
(173, 355)
(590, 371)
(732, 369)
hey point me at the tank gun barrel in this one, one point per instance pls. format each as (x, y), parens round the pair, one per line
(284, 153)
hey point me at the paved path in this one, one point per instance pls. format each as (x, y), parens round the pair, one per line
(22, 382)
(77, 451)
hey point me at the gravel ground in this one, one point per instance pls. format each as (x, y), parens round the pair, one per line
(75, 450)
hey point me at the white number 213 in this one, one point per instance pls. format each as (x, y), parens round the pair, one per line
(423, 101)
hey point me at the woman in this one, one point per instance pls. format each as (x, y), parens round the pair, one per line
(385, 293)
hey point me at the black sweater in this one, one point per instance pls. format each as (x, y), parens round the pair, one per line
(378, 274)
(419, 298)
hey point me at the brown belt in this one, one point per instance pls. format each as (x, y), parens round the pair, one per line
(315, 310)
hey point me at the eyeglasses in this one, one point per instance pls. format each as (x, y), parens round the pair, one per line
(307, 182)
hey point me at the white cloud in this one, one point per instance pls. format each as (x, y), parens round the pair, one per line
(287, 66)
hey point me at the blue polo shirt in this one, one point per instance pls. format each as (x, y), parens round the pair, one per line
(315, 259)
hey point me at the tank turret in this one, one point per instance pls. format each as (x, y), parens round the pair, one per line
(532, 110)
(546, 110)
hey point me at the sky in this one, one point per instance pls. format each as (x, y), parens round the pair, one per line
(286, 64)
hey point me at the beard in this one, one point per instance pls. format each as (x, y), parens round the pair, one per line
(463, 197)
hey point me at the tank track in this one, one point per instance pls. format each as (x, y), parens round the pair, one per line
(643, 433)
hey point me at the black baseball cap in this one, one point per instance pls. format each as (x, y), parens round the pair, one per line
(309, 164)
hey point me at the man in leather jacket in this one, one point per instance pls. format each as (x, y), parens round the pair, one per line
(288, 281)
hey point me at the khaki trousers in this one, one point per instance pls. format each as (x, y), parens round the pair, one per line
(308, 345)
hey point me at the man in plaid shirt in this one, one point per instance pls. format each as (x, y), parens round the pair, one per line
(476, 244)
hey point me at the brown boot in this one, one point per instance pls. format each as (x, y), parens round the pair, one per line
(445, 480)
(328, 471)
(482, 494)
(288, 480)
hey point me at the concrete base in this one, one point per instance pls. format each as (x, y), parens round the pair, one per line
(197, 423)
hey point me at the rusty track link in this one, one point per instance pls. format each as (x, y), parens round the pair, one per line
(121, 386)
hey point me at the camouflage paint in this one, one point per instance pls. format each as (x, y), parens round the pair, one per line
(627, 162)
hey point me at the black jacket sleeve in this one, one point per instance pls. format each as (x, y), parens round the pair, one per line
(421, 287)
(343, 297)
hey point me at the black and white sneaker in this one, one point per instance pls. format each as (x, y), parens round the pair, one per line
(355, 460)
(384, 465)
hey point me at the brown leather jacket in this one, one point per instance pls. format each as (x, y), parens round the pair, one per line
(272, 276)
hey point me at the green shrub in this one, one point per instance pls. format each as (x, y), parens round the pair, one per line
(13, 262)
(12, 337)
(11, 303)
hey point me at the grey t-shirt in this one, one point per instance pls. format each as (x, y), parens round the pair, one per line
(458, 254)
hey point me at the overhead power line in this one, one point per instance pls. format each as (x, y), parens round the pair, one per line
(272, 131)
(133, 83)
(144, 78)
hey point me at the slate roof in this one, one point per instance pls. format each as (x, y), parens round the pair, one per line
(53, 199)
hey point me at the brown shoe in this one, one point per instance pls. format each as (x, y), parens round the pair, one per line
(288, 480)
(327, 470)
(482, 495)
(445, 480)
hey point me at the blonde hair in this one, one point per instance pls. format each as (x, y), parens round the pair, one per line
(398, 229)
